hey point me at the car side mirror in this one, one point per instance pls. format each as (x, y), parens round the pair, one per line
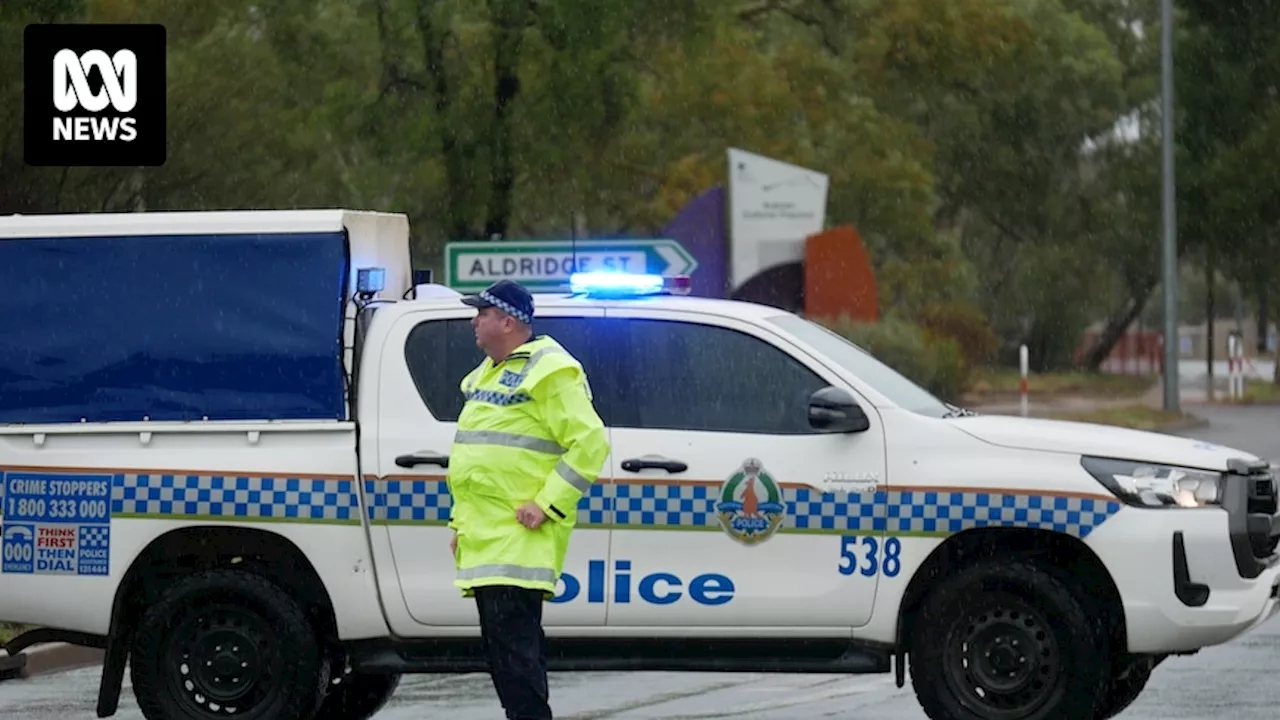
(834, 410)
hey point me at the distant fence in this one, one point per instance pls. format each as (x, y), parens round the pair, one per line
(1136, 353)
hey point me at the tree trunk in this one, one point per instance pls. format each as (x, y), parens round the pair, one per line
(510, 20)
(1114, 330)
(1209, 314)
(1263, 321)
(434, 38)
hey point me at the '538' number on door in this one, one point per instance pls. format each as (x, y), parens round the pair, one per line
(863, 554)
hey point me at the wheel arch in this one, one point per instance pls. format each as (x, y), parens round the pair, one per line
(196, 548)
(1067, 556)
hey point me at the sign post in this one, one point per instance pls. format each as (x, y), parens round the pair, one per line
(471, 266)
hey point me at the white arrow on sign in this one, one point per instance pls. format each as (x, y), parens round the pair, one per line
(673, 259)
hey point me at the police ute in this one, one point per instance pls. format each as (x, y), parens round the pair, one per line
(224, 440)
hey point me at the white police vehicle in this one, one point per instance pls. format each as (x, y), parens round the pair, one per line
(200, 480)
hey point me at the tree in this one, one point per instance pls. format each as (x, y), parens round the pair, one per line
(1009, 94)
(1228, 62)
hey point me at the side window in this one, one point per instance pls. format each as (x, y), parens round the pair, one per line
(441, 352)
(689, 376)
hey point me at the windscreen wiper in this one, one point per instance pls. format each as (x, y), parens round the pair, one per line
(956, 411)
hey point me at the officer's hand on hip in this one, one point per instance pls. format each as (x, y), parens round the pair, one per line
(530, 515)
(453, 544)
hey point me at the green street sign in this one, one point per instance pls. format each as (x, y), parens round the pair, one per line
(471, 266)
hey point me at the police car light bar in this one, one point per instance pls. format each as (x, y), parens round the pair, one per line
(625, 285)
(615, 284)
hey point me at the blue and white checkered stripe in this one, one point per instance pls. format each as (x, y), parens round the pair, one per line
(506, 307)
(497, 397)
(687, 506)
(692, 506)
(429, 501)
(684, 505)
(931, 512)
(236, 497)
(424, 501)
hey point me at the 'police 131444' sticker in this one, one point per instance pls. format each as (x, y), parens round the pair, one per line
(56, 524)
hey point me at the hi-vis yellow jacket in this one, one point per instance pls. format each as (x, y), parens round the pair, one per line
(528, 431)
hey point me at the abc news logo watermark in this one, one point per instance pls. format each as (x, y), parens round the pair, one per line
(94, 95)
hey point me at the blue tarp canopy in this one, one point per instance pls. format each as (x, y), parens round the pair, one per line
(225, 326)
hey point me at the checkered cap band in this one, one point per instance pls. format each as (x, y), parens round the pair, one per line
(506, 307)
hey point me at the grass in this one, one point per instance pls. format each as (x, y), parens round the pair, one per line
(9, 631)
(1137, 417)
(1078, 383)
(1259, 392)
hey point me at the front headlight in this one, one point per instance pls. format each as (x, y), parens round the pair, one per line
(1153, 485)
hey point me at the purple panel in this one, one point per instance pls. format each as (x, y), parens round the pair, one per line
(700, 228)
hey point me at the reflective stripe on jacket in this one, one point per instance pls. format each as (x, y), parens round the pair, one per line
(528, 431)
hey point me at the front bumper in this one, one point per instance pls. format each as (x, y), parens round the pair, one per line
(1189, 578)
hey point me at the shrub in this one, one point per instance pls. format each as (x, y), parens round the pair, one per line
(966, 325)
(936, 363)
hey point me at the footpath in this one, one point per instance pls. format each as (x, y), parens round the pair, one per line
(47, 659)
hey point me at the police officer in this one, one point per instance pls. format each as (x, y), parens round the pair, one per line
(529, 444)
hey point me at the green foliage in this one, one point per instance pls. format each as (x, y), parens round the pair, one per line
(970, 141)
(1228, 126)
(9, 631)
(936, 363)
(966, 325)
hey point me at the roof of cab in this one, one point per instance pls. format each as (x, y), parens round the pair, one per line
(688, 303)
(692, 303)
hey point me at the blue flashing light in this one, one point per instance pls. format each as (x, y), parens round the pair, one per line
(615, 284)
(371, 280)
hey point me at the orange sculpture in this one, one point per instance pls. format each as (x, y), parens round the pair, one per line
(838, 279)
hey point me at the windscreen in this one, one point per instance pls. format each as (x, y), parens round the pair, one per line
(888, 382)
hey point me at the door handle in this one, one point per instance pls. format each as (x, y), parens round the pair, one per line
(656, 462)
(422, 457)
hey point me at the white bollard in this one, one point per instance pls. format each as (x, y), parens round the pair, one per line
(1235, 367)
(1240, 367)
(1231, 367)
(1023, 362)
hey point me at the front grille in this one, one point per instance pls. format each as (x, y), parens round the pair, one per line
(1252, 502)
(1264, 501)
(1262, 495)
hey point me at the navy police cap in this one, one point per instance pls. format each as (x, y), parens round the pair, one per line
(506, 295)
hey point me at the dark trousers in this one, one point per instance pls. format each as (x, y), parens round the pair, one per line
(511, 630)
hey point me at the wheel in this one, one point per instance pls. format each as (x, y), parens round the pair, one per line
(1004, 640)
(357, 696)
(1128, 680)
(227, 643)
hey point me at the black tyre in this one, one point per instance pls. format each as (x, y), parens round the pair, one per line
(227, 644)
(1129, 678)
(356, 696)
(1005, 640)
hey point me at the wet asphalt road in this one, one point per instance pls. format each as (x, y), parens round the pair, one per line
(1240, 679)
